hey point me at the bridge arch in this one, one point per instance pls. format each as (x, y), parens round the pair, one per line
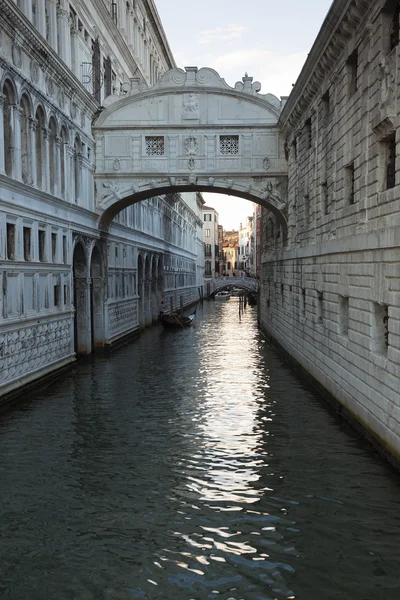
(191, 131)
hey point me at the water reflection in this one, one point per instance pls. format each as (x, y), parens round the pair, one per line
(192, 465)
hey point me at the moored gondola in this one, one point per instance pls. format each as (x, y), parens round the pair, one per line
(174, 321)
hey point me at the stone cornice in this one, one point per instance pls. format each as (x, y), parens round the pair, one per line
(14, 20)
(339, 26)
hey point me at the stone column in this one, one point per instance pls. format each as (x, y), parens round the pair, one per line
(65, 34)
(41, 17)
(45, 160)
(141, 293)
(147, 304)
(57, 175)
(98, 311)
(32, 142)
(69, 174)
(74, 53)
(16, 117)
(53, 24)
(78, 178)
(2, 164)
(82, 315)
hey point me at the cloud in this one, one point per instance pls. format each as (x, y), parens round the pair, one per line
(276, 72)
(218, 34)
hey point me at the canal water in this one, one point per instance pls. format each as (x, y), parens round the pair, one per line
(192, 464)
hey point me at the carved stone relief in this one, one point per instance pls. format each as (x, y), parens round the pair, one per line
(191, 106)
(16, 53)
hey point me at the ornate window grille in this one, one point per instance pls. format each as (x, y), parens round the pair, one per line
(229, 144)
(154, 145)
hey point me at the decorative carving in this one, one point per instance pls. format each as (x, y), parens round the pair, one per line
(116, 164)
(113, 189)
(266, 164)
(123, 317)
(191, 106)
(229, 183)
(172, 180)
(192, 179)
(61, 99)
(50, 87)
(16, 53)
(247, 86)
(34, 71)
(191, 163)
(191, 146)
(32, 348)
(387, 77)
(211, 180)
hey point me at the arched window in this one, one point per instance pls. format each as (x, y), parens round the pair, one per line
(25, 139)
(77, 168)
(39, 147)
(9, 101)
(63, 157)
(52, 155)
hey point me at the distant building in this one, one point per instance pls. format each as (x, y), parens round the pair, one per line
(247, 246)
(221, 247)
(231, 252)
(258, 238)
(211, 245)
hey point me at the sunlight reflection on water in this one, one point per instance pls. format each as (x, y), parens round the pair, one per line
(192, 464)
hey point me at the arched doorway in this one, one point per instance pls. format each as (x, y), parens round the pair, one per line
(97, 299)
(82, 324)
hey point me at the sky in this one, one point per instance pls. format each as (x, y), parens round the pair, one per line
(268, 39)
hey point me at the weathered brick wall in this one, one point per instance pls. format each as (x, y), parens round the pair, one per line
(331, 293)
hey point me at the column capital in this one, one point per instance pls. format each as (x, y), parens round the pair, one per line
(17, 111)
(46, 132)
(33, 124)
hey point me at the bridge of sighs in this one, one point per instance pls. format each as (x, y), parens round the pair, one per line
(191, 131)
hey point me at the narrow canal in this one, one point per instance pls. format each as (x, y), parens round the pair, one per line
(192, 465)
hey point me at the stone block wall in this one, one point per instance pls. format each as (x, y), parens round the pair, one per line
(330, 291)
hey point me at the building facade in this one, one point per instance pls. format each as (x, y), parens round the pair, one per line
(330, 292)
(247, 246)
(211, 243)
(230, 253)
(66, 288)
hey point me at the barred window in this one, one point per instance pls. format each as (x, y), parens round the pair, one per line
(229, 144)
(155, 145)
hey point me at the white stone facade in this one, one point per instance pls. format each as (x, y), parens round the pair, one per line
(66, 287)
(210, 238)
(331, 290)
(247, 246)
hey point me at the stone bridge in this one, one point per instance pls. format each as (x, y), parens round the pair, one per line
(191, 131)
(249, 284)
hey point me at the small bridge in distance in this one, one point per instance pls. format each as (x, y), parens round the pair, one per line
(248, 284)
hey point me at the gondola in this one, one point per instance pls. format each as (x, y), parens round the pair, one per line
(174, 321)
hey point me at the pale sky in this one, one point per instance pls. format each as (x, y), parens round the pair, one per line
(269, 39)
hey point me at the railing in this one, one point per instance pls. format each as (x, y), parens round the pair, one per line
(247, 283)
